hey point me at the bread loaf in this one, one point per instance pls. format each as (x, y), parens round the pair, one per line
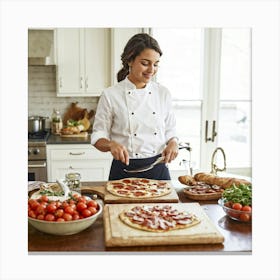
(224, 182)
(187, 180)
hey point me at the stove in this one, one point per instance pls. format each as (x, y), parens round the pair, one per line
(41, 136)
(37, 156)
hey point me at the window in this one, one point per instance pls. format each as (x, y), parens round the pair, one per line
(235, 96)
(208, 74)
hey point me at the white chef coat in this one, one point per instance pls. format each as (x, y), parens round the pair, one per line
(142, 120)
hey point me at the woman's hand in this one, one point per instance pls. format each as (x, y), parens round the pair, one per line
(119, 152)
(171, 150)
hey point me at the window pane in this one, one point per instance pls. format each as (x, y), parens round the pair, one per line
(180, 64)
(236, 64)
(188, 118)
(235, 132)
(179, 71)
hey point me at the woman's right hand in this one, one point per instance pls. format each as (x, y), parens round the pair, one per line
(119, 152)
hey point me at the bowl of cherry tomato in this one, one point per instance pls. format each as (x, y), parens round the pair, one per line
(237, 211)
(237, 203)
(63, 217)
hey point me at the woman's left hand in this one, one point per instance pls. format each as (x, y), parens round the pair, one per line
(171, 151)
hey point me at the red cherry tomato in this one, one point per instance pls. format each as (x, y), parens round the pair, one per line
(86, 213)
(92, 203)
(81, 206)
(51, 208)
(246, 208)
(49, 217)
(69, 210)
(93, 210)
(67, 217)
(60, 220)
(59, 213)
(236, 206)
(44, 198)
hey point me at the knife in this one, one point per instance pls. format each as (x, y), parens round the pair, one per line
(145, 168)
(159, 160)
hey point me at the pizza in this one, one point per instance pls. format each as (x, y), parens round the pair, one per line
(203, 191)
(158, 218)
(138, 188)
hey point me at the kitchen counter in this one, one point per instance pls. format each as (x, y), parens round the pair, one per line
(238, 236)
(57, 139)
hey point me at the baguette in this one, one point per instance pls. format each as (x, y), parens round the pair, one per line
(224, 182)
(187, 180)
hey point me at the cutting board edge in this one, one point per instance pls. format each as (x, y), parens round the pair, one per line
(145, 241)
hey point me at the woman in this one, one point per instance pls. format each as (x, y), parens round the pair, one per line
(134, 119)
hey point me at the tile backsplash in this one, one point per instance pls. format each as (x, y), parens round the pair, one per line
(42, 97)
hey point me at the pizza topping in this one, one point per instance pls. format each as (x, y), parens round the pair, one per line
(158, 217)
(138, 187)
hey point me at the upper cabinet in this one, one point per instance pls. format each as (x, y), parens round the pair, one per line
(83, 61)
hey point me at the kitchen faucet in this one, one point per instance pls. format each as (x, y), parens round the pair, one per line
(214, 167)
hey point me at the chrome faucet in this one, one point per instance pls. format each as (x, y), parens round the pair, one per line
(214, 167)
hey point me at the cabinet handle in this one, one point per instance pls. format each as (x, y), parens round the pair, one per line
(60, 82)
(86, 82)
(81, 82)
(206, 133)
(76, 154)
(214, 133)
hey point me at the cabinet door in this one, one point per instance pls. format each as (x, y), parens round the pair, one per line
(96, 59)
(90, 170)
(70, 76)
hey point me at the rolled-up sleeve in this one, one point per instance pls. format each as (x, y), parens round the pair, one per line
(103, 120)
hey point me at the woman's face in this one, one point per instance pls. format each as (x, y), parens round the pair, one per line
(143, 67)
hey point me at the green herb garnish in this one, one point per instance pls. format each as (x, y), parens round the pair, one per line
(241, 194)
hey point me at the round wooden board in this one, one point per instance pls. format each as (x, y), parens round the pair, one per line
(211, 196)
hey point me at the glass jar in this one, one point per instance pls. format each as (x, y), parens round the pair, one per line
(56, 122)
(73, 181)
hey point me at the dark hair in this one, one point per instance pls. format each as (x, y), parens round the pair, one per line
(133, 48)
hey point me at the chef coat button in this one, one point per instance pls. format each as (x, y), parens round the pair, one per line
(154, 113)
(129, 92)
(136, 154)
(150, 92)
(132, 113)
(155, 133)
(135, 134)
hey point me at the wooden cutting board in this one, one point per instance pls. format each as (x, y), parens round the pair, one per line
(110, 198)
(81, 134)
(119, 234)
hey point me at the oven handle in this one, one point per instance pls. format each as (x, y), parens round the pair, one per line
(37, 165)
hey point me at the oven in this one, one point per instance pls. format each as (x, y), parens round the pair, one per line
(37, 156)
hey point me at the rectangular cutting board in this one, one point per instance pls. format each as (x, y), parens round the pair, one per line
(110, 198)
(119, 234)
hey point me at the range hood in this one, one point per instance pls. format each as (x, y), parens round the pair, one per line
(40, 47)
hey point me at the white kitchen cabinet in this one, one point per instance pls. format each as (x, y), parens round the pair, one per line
(83, 58)
(92, 164)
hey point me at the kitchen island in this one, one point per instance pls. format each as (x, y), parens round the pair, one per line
(238, 235)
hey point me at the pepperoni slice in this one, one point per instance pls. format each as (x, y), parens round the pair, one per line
(137, 193)
(145, 181)
(126, 181)
(122, 191)
(118, 187)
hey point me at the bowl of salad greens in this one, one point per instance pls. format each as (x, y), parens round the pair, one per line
(236, 201)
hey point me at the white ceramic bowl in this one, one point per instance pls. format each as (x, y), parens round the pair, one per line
(67, 227)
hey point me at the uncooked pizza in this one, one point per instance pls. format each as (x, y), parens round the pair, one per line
(138, 188)
(158, 218)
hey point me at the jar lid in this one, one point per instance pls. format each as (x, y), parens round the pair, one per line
(73, 176)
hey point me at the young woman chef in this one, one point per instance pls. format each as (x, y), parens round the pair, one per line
(134, 119)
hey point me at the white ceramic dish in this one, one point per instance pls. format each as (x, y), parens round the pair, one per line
(67, 227)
